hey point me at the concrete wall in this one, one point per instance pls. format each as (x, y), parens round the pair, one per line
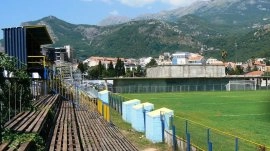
(180, 71)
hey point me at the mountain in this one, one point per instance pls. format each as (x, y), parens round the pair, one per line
(222, 12)
(113, 20)
(132, 39)
(238, 26)
(2, 49)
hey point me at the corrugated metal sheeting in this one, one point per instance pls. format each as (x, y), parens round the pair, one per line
(21, 42)
(15, 44)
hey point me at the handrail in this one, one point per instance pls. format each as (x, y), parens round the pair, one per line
(43, 61)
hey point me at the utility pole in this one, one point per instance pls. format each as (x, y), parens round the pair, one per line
(235, 55)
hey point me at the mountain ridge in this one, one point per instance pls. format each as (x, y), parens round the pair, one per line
(208, 31)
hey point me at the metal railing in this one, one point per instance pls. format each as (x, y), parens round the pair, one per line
(178, 88)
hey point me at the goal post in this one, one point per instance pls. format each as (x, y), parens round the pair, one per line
(241, 85)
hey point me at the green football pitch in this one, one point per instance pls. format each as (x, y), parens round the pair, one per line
(229, 115)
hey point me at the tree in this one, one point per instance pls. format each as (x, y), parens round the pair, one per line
(83, 67)
(129, 73)
(139, 72)
(13, 87)
(248, 69)
(224, 55)
(152, 63)
(252, 60)
(110, 70)
(239, 70)
(122, 70)
(229, 71)
(100, 68)
(119, 68)
(267, 62)
(93, 73)
(255, 68)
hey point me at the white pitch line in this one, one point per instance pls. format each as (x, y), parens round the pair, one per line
(233, 115)
(242, 102)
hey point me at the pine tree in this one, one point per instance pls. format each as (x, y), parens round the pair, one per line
(101, 69)
(118, 67)
(110, 70)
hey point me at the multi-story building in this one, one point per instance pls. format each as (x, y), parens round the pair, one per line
(213, 61)
(129, 64)
(58, 54)
(144, 61)
(184, 58)
(94, 61)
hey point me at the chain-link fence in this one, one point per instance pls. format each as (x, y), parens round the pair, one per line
(201, 136)
(178, 88)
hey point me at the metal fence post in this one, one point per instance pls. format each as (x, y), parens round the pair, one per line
(209, 143)
(120, 106)
(188, 142)
(162, 126)
(144, 120)
(186, 126)
(208, 135)
(174, 138)
(236, 144)
(210, 146)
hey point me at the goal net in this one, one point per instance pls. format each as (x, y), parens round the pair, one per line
(241, 85)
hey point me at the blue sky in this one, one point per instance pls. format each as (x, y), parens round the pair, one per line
(14, 12)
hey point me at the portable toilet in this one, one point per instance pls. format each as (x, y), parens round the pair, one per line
(104, 96)
(138, 115)
(153, 129)
(126, 109)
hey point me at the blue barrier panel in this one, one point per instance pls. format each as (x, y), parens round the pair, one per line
(127, 107)
(104, 96)
(156, 124)
(138, 115)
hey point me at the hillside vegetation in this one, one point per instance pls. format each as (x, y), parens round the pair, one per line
(240, 27)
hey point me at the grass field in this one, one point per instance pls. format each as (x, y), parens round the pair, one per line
(245, 114)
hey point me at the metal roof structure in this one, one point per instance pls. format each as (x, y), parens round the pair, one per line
(38, 34)
(21, 42)
(24, 44)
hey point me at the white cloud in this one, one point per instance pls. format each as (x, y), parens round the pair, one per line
(173, 3)
(114, 13)
(141, 3)
(179, 2)
(137, 3)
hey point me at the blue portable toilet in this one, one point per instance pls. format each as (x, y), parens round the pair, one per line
(104, 96)
(126, 109)
(153, 129)
(137, 117)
